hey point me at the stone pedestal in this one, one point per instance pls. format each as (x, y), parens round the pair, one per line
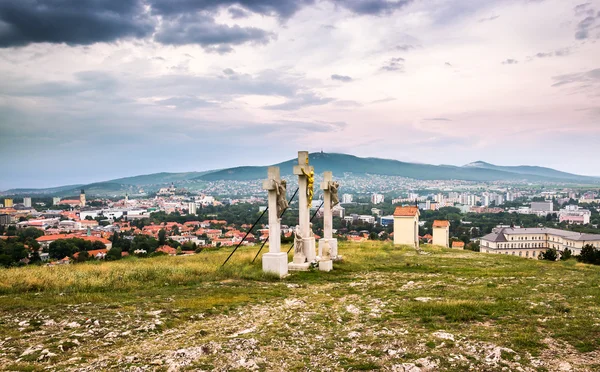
(301, 261)
(333, 246)
(326, 265)
(275, 263)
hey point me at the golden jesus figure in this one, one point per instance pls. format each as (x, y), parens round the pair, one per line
(309, 187)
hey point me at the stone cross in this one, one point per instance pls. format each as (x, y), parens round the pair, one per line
(327, 214)
(275, 261)
(271, 184)
(327, 245)
(304, 231)
(304, 213)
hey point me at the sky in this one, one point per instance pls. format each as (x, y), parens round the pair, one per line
(96, 90)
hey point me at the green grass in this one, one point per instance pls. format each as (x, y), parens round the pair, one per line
(379, 300)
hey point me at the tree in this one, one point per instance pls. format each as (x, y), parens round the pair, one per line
(162, 237)
(179, 251)
(113, 254)
(82, 256)
(549, 255)
(30, 233)
(98, 245)
(566, 254)
(589, 254)
(62, 248)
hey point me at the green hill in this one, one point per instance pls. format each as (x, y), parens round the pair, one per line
(530, 170)
(158, 178)
(342, 163)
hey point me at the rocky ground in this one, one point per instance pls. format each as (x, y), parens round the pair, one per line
(411, 320)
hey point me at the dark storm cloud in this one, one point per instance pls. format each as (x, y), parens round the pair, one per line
(372, 7)
(236, 13)
(394, 64)
(202, 30)
(281, 8)
(70, 21)
(79, 22)
(510, 61)
(343, 78)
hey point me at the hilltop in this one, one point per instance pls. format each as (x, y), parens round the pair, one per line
(337, 163)
(384, 307)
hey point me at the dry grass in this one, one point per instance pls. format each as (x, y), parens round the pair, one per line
(132, 273)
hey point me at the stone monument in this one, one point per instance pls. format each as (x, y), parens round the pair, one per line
(304, 240)
(275, 261)
(328, 244)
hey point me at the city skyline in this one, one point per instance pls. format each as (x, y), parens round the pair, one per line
(124, 88)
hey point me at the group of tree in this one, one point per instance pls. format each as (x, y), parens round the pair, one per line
(68, 247)
(19, 246)
(589, 254)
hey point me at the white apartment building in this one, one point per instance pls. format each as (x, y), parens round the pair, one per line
(347, 198)
(377, 198)
(531, 242)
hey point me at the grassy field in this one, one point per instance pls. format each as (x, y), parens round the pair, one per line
(382, 308)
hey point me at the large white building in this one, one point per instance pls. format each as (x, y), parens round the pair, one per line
(347, 198)
(531, 242)
(574, 214)
(377, 198)
(27, 202)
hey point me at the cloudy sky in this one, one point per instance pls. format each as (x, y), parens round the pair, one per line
(94, 90)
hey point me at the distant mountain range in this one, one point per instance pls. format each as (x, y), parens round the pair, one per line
(337, 163)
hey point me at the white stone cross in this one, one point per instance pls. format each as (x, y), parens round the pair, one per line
(304, 208)
(271, 185)
(327, 215)
(305, 175)
(275, 261)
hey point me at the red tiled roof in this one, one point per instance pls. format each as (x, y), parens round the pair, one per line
(458, 244)
(406, 211)
(441, 223)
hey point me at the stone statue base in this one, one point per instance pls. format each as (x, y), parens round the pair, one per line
(302, 261)
(333, 245)
(275, 263)
(326, 265)
(310, 248)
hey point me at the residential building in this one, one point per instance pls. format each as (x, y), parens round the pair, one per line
(545, 207)
(192, 208)
(55, 200)
(574, 214)
(347, 198)
(377, 198)
(8, 203)
(531, 242)
(5, 219)
(27, 202)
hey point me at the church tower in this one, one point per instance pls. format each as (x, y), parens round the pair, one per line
(82, 198)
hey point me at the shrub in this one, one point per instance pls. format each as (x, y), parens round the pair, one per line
(549, 255)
